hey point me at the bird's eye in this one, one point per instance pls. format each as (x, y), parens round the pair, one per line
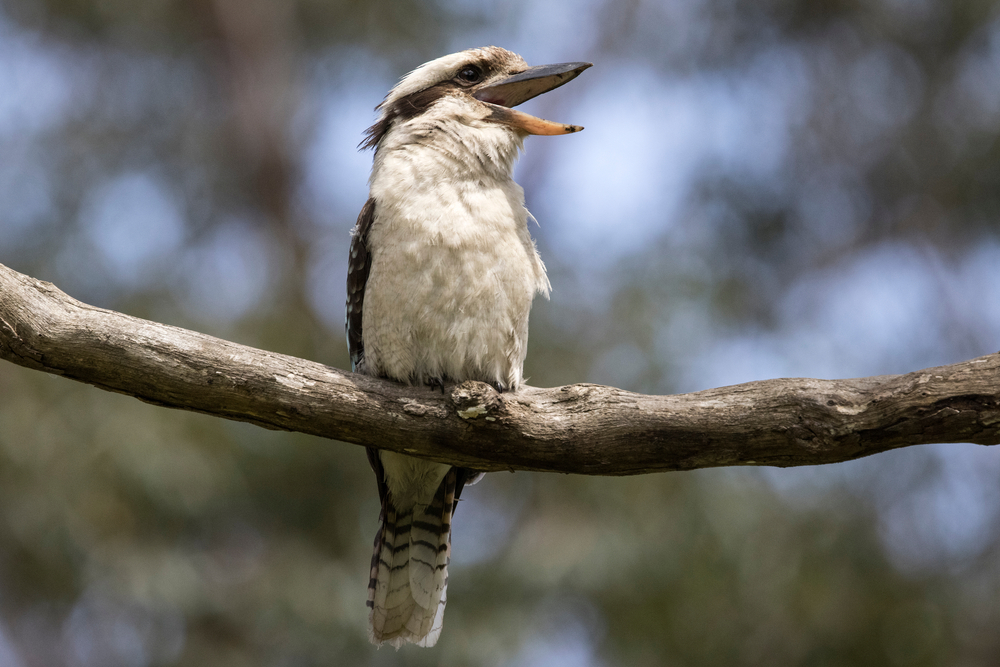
(470, 74)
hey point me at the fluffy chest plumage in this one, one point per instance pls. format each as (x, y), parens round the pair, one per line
(453, 272)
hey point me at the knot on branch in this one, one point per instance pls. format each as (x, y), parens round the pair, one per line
(476, 399)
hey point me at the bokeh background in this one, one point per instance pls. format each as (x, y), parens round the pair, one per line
(766, 188)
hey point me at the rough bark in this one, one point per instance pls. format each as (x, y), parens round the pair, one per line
(581, 428)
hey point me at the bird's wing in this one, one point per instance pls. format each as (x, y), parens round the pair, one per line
(358, 266)
(376, 463)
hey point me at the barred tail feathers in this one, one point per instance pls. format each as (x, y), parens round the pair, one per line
(407, 590)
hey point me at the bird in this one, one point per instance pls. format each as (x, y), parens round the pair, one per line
(441, 275)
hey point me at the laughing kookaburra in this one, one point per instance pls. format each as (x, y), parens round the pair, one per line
(440, 280)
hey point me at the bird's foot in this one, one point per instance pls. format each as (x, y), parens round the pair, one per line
(435, 383)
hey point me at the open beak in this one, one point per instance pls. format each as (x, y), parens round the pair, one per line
(501, 95)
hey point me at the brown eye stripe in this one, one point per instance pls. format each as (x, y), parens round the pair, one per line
(405, 108)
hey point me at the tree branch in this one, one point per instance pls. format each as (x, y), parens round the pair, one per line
(582, 428)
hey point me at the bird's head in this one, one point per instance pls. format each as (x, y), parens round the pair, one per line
(477, 88)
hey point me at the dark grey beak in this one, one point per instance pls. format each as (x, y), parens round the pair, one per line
(534, 81)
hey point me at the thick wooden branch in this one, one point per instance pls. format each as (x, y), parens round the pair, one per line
(583, 428)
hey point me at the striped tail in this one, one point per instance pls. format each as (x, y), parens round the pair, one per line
(409, 575)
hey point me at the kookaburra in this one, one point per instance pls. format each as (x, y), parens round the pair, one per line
(440, 280)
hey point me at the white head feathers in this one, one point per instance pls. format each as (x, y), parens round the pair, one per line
(446, 67)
